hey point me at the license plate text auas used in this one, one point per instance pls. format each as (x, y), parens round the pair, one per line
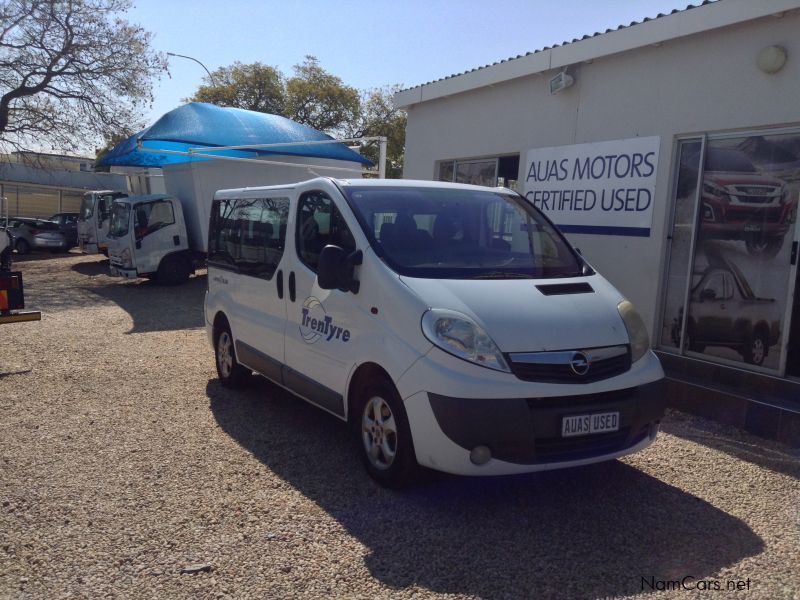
(587, 424)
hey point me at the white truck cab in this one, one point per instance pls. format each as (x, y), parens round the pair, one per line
(453, 326)
(148, 238)
(94, 219)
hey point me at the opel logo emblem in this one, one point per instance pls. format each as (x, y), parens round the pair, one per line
(579, 364)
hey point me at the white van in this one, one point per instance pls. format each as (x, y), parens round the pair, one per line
(452, 325)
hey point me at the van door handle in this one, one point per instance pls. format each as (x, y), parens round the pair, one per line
(793, 259)
(280, 283)
(291, 286)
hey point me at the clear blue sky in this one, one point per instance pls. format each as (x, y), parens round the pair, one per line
(367, 44)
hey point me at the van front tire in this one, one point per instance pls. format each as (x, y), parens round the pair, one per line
(383, 435)
(231, 374)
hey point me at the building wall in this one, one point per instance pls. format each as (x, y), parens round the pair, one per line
(702, 83)
(31, 190)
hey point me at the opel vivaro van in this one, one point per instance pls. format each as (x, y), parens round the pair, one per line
(452, 326)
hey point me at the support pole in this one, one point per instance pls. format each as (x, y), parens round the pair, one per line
(382, 159)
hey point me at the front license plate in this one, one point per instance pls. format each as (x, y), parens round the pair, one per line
(751, 227)
(587, 424)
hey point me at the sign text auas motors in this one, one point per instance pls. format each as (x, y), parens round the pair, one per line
(602, 187)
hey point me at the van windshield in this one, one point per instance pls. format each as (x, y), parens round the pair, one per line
(461, 233)
(120, 219)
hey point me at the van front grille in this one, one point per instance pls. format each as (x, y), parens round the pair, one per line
(571, 366)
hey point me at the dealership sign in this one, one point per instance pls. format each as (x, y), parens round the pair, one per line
(603, 188)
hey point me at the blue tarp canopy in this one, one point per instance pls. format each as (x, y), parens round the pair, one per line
(201, 125)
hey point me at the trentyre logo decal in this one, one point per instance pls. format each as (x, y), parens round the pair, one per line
(315, 324)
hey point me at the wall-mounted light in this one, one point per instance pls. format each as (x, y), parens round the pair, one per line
(771, 59)
(561, 82)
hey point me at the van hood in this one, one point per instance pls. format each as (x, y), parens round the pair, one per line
(520, 318)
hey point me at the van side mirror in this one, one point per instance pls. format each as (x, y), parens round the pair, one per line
(335, 270)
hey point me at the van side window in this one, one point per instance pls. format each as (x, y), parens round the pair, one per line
(248, 235)
(149, 217)
(320, 223)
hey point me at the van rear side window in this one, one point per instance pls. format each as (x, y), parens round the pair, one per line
(248, 235)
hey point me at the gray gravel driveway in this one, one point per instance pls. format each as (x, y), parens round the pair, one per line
(123, 462)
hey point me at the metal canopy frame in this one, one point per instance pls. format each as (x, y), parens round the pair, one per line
(208, 152)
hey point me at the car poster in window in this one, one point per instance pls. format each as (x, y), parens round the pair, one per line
(740, 273)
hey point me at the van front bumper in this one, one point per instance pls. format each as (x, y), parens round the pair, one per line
(522, 428)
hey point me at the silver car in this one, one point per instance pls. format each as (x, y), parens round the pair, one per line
(30, 234)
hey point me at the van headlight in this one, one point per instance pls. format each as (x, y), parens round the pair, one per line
(637, 332)
(457, 334)
(125, 257)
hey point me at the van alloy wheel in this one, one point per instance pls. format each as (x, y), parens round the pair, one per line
(231, 373)
(225, 354)
(381, 430)
(379, 433)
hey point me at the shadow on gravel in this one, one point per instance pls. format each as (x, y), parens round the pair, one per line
(154, 307)
(768, 455)
(589, 532)
(92, 269)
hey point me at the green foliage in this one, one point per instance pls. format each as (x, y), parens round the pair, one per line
(255, 86)
(316, 98)
(73, 73)
(379, 117)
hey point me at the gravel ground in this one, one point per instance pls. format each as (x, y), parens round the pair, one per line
(122, 462)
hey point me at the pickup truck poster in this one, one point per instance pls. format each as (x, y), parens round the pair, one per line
(741, 272)
(605, 188)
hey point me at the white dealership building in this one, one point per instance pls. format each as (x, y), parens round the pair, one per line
(668, 151)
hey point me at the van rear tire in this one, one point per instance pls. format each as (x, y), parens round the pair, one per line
(231, 374)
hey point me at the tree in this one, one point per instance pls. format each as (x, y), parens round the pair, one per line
(255, 86)
(316, 98)
(379, 117)
(72, 73)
